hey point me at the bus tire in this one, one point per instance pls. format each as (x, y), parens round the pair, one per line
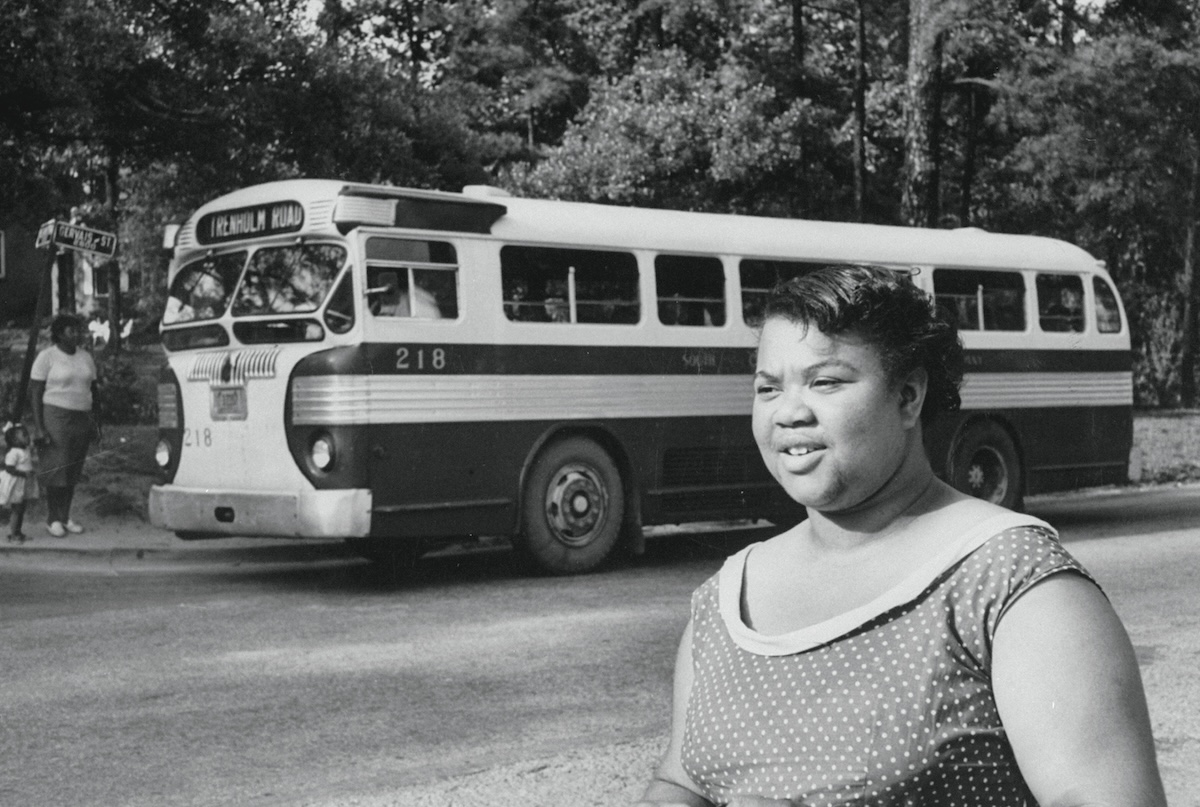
(572, 509)
(984, 463)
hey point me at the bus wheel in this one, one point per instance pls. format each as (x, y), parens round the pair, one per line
(572, 509)
(985, 465)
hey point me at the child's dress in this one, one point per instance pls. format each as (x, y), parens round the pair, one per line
(17, 489)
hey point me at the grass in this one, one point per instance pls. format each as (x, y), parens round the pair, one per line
(119, 472)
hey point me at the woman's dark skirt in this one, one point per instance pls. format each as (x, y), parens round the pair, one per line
(70, 432)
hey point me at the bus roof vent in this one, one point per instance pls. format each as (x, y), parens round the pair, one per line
(484, 191)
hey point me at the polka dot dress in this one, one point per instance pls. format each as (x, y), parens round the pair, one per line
(896, 709)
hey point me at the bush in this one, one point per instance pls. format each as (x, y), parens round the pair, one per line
(122, 396)
(10, 380)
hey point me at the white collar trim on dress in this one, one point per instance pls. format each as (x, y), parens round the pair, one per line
(730, 579)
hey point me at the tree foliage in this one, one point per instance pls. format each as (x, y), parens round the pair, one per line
(1072, 119)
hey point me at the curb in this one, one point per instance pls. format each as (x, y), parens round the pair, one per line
(41, 551)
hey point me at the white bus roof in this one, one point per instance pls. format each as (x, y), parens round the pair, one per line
(540, 221)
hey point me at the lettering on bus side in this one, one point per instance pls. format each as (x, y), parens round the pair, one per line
(420, 358)
(700, 360)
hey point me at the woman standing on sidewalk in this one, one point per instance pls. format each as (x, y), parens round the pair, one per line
(906, 644)
(62, 388)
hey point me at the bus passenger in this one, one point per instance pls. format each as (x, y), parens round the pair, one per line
(421, 304)
(556, 301)
(906, 644)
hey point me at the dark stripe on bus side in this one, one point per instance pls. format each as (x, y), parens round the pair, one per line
(419, 358)
(1047, 361)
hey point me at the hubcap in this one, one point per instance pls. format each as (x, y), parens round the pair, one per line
(987, 475)
(576, 504)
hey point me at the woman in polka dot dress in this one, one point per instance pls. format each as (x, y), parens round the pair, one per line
(906, 644)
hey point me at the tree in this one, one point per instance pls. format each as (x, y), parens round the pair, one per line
(1106, 154)
(654, 139)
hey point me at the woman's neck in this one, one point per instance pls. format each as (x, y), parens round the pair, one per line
(913, 491)
(65, 348)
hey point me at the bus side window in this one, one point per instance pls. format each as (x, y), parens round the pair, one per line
(549, 284)
(339, 311)
(1060, 302)
(691, 290)
(412, 279)
(760, 276)
(981, 300)
(1108, 313)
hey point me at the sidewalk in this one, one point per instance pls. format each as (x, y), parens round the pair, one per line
(132, 543)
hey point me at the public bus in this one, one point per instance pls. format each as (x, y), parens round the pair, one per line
(399, 367)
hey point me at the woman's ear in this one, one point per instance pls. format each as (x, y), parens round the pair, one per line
(912, 395)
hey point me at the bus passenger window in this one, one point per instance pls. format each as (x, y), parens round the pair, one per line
(412, 279)
(981, 300)
(691, 290)
(545, 284)
(1060, 302)
(760, 276)
(1108, 313)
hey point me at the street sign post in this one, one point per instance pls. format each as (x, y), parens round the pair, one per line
(63, 235)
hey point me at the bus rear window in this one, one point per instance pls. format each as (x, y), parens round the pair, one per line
(691, 290)
(201, 290)
(981, 300)
(760, 276)
(546, 284)
(286, 280)
(1060, 302)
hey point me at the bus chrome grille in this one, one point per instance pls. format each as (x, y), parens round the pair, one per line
(234, 367)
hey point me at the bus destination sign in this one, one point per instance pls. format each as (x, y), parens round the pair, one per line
(72, 236)
(258, 221)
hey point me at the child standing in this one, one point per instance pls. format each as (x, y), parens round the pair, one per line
(18, 483)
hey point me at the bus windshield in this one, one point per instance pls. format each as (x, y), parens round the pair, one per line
(291, 279)
(278, 280)
(202, 289)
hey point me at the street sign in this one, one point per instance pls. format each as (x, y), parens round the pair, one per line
(72, 236)
(45, 235)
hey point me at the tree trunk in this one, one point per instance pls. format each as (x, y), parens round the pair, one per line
(1067, 28)
(1189, 283)
(919, 200)
(798, 43)
(860, 113)
(113, 267)
(968, 175)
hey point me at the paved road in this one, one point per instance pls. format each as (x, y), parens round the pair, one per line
(325, 684)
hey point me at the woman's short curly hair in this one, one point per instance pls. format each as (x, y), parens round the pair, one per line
(60, 323)
(884, 307)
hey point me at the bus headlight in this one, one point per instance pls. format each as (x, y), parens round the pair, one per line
(321, 453)
(162, 454)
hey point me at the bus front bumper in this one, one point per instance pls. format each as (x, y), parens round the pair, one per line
(341, 513)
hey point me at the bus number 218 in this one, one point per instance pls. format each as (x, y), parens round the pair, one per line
(420, 358)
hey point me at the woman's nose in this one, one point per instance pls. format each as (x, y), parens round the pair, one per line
(793, 409)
